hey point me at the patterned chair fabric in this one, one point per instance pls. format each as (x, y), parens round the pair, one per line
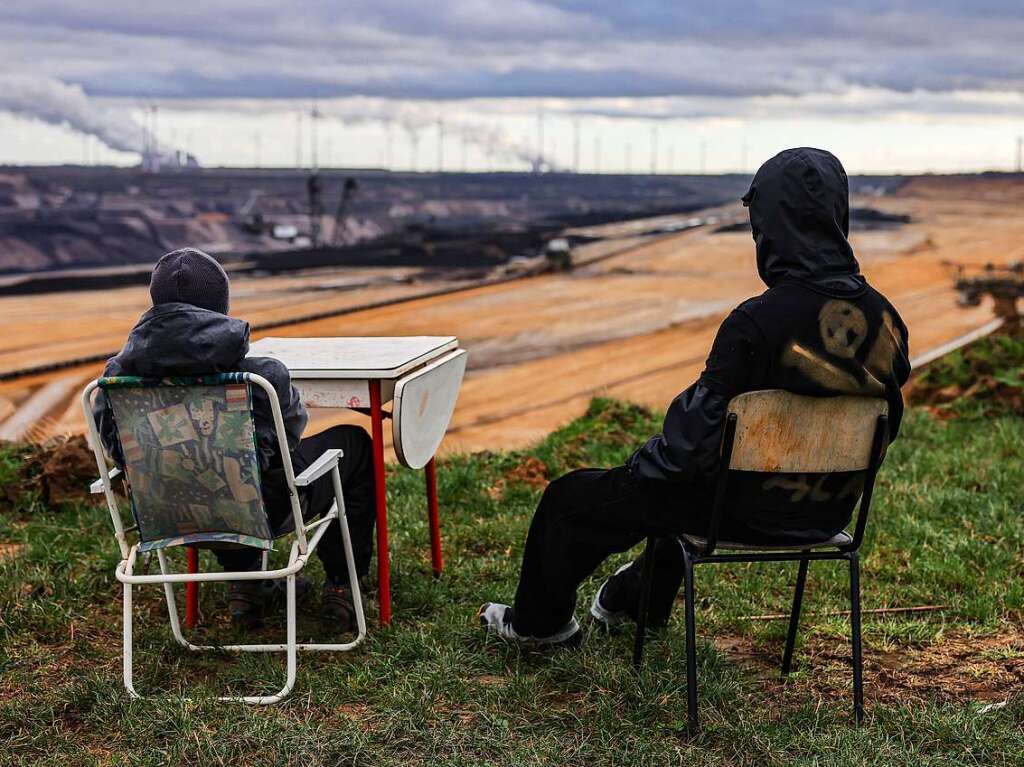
(190, 459)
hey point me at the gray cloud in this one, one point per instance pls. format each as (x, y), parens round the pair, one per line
(727, 51)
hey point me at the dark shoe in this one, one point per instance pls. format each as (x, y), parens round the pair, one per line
(496, 619)
(605, 614)
(275, 592)
(618, 599)
(245, 602)
(337, 606)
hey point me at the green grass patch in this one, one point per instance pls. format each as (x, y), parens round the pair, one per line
(983, 379)
(431, 689)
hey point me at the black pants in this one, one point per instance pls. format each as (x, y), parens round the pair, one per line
(584, 517)
(357, 484)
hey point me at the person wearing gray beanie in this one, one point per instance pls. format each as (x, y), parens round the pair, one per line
(189, 276)
(187, 332)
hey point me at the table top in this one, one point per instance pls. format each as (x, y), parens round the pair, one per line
(370, 357)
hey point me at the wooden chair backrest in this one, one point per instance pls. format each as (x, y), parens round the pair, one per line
(781, 432)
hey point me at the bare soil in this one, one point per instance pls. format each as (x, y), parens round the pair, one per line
(956, 669)
(636, 326)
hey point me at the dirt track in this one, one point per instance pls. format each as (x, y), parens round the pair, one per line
(636, 326)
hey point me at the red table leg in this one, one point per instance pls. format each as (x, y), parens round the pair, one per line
(435, 525)
(192, 590)
(383, 555)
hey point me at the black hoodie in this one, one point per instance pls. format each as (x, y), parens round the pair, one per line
(178, 339)
(819, 329)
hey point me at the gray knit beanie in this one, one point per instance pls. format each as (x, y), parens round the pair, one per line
(190, 276)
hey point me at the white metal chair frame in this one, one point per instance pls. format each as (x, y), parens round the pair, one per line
(306, 539)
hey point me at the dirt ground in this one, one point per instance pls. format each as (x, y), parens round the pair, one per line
(956, 668)
(635, 326)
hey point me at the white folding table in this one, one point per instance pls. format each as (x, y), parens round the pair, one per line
(420, 375)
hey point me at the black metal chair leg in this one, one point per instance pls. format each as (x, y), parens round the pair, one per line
(691, 645)
(646, 584)
(858, 669)
(794, 616)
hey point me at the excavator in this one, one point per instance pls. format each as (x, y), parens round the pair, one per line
(1003, 282)
(315, 190)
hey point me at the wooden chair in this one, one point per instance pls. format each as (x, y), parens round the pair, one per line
(192, 474)
(795, 439)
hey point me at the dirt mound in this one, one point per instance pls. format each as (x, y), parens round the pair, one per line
(531, 472)
(59, 470)
(986, 377)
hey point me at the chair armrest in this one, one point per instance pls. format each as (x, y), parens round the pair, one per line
(97, 487)
(319, 467)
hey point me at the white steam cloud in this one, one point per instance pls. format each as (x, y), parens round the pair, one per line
(489, 139)
(58, 103)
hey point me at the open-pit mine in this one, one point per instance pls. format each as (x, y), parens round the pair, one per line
(561, 287)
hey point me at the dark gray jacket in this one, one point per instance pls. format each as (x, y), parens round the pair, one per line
(177, 339)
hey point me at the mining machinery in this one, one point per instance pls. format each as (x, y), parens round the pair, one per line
(1003, 282)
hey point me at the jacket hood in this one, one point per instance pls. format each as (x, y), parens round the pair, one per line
(184, 339)
(799, 205)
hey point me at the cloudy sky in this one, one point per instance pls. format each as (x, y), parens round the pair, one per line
(610, 85)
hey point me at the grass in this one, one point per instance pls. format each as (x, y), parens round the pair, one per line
(985, 378)
(946, 530)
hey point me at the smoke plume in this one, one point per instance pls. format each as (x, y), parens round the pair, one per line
(58, 103)
(491, 140)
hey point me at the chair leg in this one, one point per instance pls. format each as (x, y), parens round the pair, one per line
(346, 544)
(646, 583)
(292, 646)
(172, 606)
(858, 668)
(794, 616)
(433, 522)
(127, 638)
(691, 645)
(192, 589)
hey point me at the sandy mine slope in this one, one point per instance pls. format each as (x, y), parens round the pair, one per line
(637, 325)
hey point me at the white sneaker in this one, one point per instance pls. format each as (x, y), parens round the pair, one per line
(496, 619)
(608, 619)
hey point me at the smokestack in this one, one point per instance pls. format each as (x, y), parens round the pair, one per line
(156, 134)
(414, 147)
(654, 149)
(145, 135)
(539, 164)
(1020, 154)
(576, 145)
(440, 146)
(298, 140)
(314, 116)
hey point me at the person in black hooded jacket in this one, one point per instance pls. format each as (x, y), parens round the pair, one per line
(188, 332)
(819, 329)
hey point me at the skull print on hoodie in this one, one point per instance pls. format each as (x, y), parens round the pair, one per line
(819, 329)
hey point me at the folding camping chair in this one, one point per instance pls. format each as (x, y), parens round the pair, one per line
(793, 441)
(192, 474)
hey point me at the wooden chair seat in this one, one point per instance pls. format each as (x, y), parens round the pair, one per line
(838, 540)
